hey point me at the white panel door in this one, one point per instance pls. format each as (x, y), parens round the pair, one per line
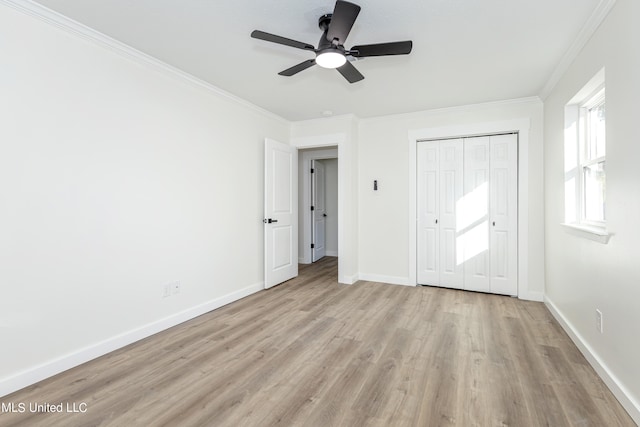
(467, 213)
(281, 213)
(319, 210)
(473, 223)
(450, 194)
(504, 214)
(428, 239)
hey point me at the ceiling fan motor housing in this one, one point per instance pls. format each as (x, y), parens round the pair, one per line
(330, 54)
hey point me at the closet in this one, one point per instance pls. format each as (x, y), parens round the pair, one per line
(467, 213)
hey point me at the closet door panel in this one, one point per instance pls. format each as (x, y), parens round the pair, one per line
(428, 239)
(451, 187)
(504, 214)
(474, 224)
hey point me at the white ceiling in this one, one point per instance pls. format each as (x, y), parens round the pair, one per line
(464, 51)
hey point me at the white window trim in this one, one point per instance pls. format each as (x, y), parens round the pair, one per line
(597, 234)
(589, 96)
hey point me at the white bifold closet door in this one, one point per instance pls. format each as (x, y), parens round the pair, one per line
(467, 213)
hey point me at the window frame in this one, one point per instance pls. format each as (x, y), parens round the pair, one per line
(589, 96)
(586, 147)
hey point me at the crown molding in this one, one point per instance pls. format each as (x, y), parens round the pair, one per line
(58, 20)
(459, 108)
(585, 34)
(333, 119)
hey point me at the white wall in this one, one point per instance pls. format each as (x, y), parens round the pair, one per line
(114, 180)
(331, 187)
(583, 275)
(384, 155)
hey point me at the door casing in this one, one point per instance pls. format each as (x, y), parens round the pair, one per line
(318, 211)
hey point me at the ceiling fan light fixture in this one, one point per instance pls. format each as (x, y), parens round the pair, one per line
(331, 58)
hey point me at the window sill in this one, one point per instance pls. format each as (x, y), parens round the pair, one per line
(597, 234)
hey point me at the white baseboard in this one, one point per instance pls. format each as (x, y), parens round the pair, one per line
(532, 296)
(617, 388)
(391, 280)
(331, 253)
(38, 373)
(348, 280)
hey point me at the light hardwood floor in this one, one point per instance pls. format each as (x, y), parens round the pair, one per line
(311, 352)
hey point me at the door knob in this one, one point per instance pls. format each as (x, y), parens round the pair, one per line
(324, 215)
(269, 221)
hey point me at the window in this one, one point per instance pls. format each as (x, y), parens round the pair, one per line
(585, 160)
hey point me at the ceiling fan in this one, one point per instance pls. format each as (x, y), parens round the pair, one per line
(331, 52)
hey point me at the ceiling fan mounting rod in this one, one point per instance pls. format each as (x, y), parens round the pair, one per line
(324, 21)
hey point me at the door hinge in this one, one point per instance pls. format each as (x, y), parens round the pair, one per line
(313, 208)
(313, 170)
(313, 246)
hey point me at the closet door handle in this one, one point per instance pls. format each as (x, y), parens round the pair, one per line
(494, 223)
(436, 221)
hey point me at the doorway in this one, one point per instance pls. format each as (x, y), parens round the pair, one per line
(318, 204)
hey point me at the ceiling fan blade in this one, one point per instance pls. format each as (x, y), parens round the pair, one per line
(297, 68)
(257, 34)
(344, 15)
(350, 72)
(382, 49)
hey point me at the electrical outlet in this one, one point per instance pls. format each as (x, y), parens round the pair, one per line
(171, 288)
(176, 287)
(599, 325)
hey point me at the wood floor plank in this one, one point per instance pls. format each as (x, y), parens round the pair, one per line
(311, 352)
